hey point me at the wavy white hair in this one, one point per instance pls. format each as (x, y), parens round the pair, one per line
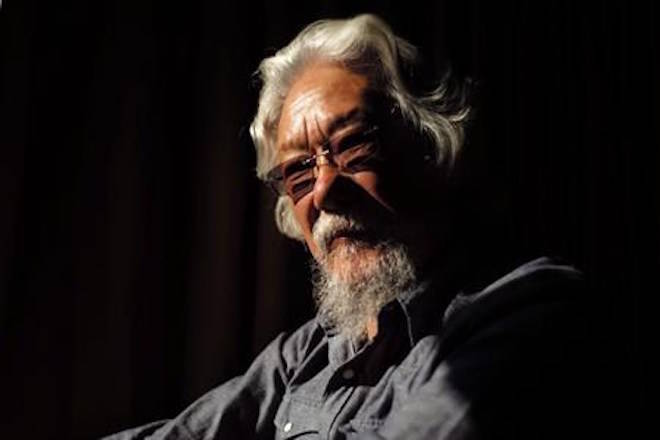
(365, 44)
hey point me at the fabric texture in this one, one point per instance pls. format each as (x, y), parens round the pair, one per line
(508, 360)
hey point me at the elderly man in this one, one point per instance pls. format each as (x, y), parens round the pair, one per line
(417, 335)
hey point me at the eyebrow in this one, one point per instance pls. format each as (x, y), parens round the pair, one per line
(341, 121)
(352, 116)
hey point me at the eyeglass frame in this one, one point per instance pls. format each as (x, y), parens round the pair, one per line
(277, 182)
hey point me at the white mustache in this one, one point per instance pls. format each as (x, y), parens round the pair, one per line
(328, 226)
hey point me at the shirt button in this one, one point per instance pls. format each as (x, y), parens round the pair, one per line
(348, 374)
(288, 426)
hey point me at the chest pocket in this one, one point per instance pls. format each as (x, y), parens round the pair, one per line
(298, 420)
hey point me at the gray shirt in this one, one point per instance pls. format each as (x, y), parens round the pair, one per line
(503, 361)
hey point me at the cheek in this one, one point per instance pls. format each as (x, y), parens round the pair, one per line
(373, 184)
(305, 216)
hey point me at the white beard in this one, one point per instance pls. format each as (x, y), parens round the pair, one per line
(351, 294)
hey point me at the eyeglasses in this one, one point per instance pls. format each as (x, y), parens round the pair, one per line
(350, 151)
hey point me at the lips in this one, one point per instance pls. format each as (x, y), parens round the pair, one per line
(337, 238)
(344, 236)
(333, 230)
(338, 241)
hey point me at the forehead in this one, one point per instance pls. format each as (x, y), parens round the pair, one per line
(320, 97)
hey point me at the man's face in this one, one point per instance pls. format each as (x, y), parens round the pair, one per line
(327, 102)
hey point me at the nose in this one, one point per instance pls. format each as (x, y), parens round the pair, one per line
(324, 187)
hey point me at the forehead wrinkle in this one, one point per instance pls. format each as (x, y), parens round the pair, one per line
(294, 145)
(298, 110)
(320, 130)
(311, 119)
(356, 114)
(306, 134)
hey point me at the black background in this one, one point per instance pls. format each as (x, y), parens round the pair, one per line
(139, 264)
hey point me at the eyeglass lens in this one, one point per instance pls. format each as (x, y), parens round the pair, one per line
(350, 153)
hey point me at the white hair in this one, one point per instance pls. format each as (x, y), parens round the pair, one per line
(364, 44)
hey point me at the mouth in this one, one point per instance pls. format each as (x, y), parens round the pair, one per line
(346, 236)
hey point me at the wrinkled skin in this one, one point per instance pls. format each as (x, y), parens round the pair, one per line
(384, 200)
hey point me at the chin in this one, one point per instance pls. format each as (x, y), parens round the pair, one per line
(351, 261)
(355, 280)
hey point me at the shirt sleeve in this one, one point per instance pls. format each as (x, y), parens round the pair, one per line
(516, 365)
(242, 407)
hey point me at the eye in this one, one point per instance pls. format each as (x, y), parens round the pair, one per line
(291, 169)
(299, 185)
(298, 176)
(352, 140)
(361, 157)
(299, 189)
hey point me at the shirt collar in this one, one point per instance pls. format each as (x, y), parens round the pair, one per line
(422, 305)
(422, 308)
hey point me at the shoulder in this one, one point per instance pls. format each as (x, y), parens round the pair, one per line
(543, 279)
(531, 320)
(540, 297)
(520, 345)
(539, 270)
(243, 403)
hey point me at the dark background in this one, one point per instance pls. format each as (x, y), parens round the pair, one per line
(139, 264)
